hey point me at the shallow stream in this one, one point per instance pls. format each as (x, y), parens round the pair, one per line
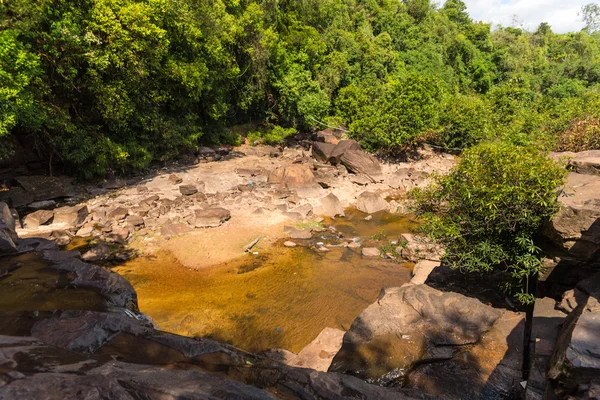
(280, 298)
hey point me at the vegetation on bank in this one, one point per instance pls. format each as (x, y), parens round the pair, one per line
(113, 84)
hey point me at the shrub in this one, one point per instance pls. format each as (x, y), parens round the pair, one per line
(487, 211)
(464, 121)
(271, 135)
(581, 136)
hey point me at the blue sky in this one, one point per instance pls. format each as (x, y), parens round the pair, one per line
(560, 14)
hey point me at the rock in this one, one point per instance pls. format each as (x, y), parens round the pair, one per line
(188, 190)
(248, 172)
(97, 253)
(135, 220)
(141, 189)
(175, 179)
(361, 163)
(71, 216)
(304, 210)
(16, 197)
(114, 184)
(170, 229)
(44, 204)
(211, 217)
(8, 235)
(369, 202)
(289, 244)
(371, 252)
(298, 177)
(57, 256)
(118, 213)
(330, 206)
(85, 231)
(149, 200)
(414, 248)
(206, 152)
(445, 344)
(322, 151)
(575, 229)
(297, 233)
(329, 135)
(319, 353)
(341, 148)
(35, 244)
(422, 270)
(586, 162)
(360, 180)
(575, 365)
(46, 187)
(37, 218)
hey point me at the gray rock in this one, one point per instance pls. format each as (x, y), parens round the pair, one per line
(46, 187)
(369, 202)
(211, 217)
(37, 218)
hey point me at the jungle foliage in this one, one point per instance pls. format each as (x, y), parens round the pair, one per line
(107, 85)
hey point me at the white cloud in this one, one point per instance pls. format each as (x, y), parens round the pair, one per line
(560, 14)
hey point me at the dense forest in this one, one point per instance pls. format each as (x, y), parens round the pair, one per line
(111, 85)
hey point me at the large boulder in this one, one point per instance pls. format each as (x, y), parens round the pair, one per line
(369, 202)
(361, 163)
(298, 177)
(445, 344)
(322, 151)
(335, 157)
(46, 187)
(211, 217)
(8, 235)
(575, 365)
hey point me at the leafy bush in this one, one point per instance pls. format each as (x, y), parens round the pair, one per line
(581, 136)
(464, 121)
(271, 135)
(487, 211)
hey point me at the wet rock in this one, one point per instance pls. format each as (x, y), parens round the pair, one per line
(414, 248)
(35, 244)
(341, 148)
(97, 253)
(188, 190)
(289, 244)
(361, 163)
(116, 289)
(371, 252)
(297, 233)
(211, 217)
(369, 202)
(8, 235)
(37, 218)
(57, 256)
(72, 217)
(170, 229)
(175, 179)
(455, 346)
(322, 151)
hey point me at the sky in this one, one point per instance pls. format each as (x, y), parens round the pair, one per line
(560, 14)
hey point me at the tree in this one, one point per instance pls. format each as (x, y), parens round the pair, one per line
(590, 15)
(490, 207)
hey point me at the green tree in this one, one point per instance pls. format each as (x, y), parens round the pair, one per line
(489, 209)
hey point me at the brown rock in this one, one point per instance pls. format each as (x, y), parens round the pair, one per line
(322, 151)
(37, 218)
(8, 236)
(297, 233)
(171, 229)
(135, 220)
(371, 252)
(118, 213)
(71, 216)
(361, 163)
(341, 148)
(46, 187)
(211, 217)
(175, 179)
(331, 206)
(369, 202)
(188, 190)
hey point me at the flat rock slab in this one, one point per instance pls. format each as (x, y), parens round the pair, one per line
(211, 217)
(47, 187)
(369, 202)
(297, 233)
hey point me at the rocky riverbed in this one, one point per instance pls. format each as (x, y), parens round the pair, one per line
(72, 329)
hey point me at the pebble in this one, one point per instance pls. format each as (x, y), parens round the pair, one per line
(289, 244)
